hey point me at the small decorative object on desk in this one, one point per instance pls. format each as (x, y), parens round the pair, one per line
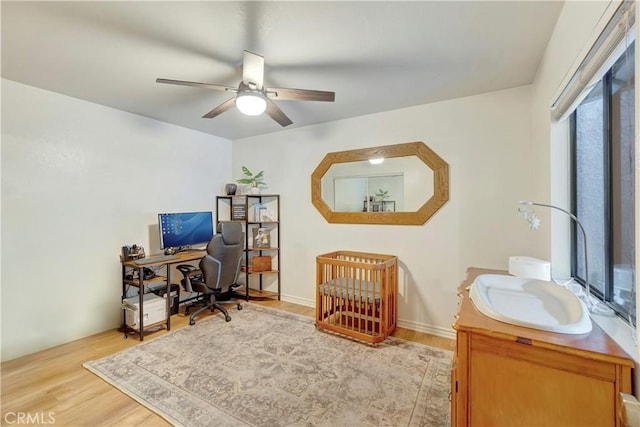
(261, 238)
(132, 252)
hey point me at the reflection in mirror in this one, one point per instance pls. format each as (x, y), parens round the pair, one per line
(407, 185)
(359, 193)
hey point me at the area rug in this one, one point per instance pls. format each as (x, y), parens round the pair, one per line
(267, 367)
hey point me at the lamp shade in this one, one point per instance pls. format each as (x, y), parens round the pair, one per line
(251, 103)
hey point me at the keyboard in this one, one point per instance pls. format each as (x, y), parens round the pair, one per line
(154, 259)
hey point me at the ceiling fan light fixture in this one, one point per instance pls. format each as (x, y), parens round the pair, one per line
(251, 95)
(251, 103)
(376, 160)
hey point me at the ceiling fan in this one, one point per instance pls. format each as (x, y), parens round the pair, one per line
(252, 98)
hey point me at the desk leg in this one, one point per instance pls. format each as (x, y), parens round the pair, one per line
(141, 298)
(169, 297)
(124, 295)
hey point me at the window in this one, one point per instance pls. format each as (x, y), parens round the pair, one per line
(603, 189)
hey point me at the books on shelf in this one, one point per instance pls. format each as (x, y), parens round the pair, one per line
(261, 213)
(261, 237)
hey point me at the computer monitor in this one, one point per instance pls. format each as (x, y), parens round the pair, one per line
(184, 229)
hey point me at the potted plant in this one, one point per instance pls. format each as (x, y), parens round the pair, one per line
(254, 181)
(382, 194)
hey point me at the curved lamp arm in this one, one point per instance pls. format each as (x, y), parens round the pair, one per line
(594, 307)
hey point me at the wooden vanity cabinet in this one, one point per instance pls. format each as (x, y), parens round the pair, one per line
(505, 375)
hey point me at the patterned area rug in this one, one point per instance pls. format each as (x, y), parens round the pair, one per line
(271, 368)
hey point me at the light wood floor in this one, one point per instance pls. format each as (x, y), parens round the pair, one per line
(53, 388)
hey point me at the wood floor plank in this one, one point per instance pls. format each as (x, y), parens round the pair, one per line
(54, 382)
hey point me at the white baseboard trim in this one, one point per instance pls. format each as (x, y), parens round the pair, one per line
(427, 329)
(414, 326)
(300, 301)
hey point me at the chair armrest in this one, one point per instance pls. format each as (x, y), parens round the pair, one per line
(185, 269)
(189, 272)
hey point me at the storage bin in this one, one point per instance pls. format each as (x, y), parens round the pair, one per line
(261, 263)
(155, 310)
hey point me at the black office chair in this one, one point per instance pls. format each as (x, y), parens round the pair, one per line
(215, 279)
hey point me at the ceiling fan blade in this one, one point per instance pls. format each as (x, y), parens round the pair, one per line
(195, 84)
(277, 114)
(252, 69)
(226, 105)
(284, 94)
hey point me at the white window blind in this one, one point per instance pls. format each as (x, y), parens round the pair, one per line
(615, 37)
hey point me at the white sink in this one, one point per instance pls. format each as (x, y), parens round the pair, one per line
(531, 303)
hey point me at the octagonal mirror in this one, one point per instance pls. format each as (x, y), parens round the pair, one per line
(401, 184)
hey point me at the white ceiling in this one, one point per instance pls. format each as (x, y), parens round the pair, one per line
(376, 56)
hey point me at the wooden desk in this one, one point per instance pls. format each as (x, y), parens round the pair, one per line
(140, 283)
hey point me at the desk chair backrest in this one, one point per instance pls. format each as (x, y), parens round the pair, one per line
(224, 253)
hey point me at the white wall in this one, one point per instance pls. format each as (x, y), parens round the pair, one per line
(70, 201)
(577, 28)
(486, 141)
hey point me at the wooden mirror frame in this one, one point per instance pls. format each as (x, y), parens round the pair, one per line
(440, 195)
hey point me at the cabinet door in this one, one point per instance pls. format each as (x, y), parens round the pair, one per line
(513, 384)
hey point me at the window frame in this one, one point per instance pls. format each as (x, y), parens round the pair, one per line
(608, 181)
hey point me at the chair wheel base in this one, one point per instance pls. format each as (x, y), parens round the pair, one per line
(192, 322)
(227, 318)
